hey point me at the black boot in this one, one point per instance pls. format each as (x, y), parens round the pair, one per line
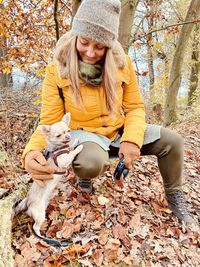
(177, 205)
(85, 185)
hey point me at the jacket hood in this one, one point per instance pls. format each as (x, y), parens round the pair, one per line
(61, 56)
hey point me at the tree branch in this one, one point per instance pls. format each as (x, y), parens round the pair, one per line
(164, 28)
(55, 14)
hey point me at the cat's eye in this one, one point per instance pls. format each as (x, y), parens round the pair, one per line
(59, 135)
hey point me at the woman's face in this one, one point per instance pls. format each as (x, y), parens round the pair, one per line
(90, 51)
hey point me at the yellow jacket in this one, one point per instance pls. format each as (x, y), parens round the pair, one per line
(95, 118)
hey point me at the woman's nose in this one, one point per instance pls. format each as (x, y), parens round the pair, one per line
(90, 52)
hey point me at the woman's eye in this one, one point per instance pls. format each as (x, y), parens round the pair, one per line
(83, 43)
(100, 47)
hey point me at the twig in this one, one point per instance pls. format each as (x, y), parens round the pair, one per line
(164, 28)
(55, 14)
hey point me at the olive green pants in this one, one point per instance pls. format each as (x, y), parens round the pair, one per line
(93, 160)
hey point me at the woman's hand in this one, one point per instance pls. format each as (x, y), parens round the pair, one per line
(130, 152)
(38, 167)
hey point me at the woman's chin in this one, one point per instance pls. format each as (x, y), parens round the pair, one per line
(90, 61)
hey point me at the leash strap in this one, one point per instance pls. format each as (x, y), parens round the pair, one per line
(54, 242)
(65, 149)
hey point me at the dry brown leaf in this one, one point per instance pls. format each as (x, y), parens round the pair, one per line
(72, 251)
(66, 231)
(31, 253)
(54, 260)
(119, 232)
(156, 207)
(98, 257)
(54, 215)
(85, 240)
(121, 217)
(86, 262)
(72, 212)
(103, 236)
(135, 221)
(181, 257)
(53, 229)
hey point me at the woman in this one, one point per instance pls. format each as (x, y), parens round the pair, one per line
(100, 91)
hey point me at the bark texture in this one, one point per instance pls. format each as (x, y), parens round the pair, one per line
(126, 21)
(194, 76)
(175, 72)
(75, 6)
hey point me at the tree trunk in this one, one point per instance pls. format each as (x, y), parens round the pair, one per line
(175, 73)
(126, 21)
(75, 6)
(5, 79)
(150, 54)
(55, 15)
(151, 69)
(6, 210)
(194, 79)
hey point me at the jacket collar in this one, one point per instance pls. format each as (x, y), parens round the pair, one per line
(122, 74)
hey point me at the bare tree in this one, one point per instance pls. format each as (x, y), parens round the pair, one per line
(170, 114)
(194, 76)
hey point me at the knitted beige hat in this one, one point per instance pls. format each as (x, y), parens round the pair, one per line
(98, 20)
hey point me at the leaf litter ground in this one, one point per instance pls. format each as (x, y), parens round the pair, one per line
(122, 224)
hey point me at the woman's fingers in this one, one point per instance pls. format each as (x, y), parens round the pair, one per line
(39, 182)
(34, 167)
(42, 177)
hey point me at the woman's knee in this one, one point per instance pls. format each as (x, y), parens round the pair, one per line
(91, 161)
(171, 137)
(171, 140)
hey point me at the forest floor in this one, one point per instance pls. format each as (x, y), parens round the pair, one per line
(122, 224)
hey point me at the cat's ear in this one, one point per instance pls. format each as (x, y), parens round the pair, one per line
(45, 129)
(66, 118)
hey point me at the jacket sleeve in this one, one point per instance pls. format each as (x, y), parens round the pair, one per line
(52, 110)
(133, 107)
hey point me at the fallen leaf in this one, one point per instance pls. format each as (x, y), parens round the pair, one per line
(119, 232)
(66, 231)
(102, 200)
(72, 251)
(135, 221)
(103, 236)
(98, 257)
(53, 261)
(86, 262)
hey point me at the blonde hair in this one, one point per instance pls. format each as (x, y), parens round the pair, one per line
(67, 57)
